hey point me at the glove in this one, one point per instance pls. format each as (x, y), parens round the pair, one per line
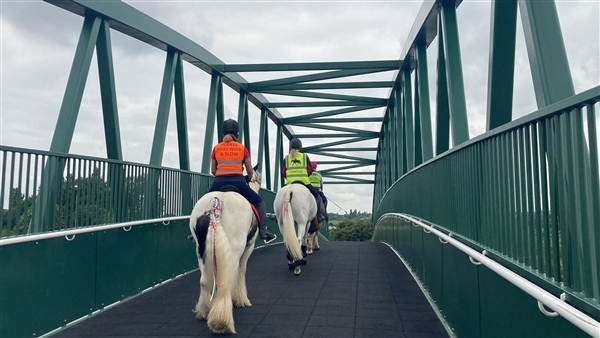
(248, 179)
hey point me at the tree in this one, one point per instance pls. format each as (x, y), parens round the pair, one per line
(358, 230)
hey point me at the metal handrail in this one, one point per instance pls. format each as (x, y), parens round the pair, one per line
(558, 305)
(70, 234)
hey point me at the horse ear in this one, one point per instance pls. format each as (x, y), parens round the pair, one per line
(255, 167)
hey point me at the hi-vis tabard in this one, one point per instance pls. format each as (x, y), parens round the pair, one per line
(296, 169)
(230, 157)
(315, 179)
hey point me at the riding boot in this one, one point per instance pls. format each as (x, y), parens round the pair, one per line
(320, 208)
(263, 231)
(325, 208)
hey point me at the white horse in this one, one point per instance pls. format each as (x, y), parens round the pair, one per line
(224, 228)
(295, 205)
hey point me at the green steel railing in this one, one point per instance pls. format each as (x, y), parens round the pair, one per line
(91, 191)
(526, 192)
(88, 191)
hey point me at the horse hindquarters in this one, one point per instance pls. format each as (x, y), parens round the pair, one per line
(199, 230)
(219, 311)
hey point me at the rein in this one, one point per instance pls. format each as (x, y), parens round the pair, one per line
(214, 215)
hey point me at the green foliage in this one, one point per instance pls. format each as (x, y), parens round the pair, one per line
(354, 214)
(357, 230)
(88, 200)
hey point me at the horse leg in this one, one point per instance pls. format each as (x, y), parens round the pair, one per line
(203, 305)
(309, 244)
(239, 295)
(316, 240)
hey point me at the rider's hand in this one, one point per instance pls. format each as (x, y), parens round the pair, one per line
(248, 179)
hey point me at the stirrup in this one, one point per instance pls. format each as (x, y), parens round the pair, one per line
(267, 240)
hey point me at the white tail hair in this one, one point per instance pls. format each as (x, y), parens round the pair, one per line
(289, 234)
(220, 318)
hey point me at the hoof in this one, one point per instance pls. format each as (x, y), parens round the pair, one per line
(317, 247)
(297, 271)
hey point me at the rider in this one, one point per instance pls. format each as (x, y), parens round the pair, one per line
(226, 163)
(297, 168)
(316, 180)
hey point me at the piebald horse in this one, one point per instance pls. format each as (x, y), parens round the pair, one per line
(224, 228)
(295, 206)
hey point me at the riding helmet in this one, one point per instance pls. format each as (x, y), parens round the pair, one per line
(314, 164)
(230, 126)
(295, 143)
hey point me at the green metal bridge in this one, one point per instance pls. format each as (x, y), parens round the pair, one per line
(501, 232)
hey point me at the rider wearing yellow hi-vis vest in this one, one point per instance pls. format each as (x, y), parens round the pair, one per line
(316, 180)
(297, 169)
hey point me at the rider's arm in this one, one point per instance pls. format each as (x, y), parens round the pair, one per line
(309, 168)
(284, 168)
(248, 163)
(213, 163)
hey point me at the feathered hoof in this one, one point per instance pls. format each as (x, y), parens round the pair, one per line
(220, 327)
(199, 314)
(242, 304)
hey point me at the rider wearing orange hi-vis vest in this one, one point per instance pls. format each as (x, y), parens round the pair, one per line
(228, 159)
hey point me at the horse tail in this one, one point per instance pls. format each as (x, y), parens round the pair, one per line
(218, 248)
(289, 234)
(219, 265)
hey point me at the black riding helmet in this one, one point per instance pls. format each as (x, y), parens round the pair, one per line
(230, 126)
(295, 143)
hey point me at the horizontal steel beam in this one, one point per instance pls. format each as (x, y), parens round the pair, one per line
(332, 85)
(306, 66)
(313, 104)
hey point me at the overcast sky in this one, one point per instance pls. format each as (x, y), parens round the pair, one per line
(38, 42)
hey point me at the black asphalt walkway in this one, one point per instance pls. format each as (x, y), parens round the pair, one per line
(347, 289)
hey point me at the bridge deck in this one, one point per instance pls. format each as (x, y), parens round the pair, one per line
(347, 289)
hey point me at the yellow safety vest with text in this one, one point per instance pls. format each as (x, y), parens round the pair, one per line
(296, 169)
(315, 179)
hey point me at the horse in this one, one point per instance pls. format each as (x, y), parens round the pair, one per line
(224, 228)
(295, 205)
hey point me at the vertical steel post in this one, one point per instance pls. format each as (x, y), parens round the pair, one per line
(278, 159)
(409, 126)
(501, 63)
(548, 61)
(442, 139)
(164, 104)
(241, 118)
(454, 74)
(215, 83)
(422, 78)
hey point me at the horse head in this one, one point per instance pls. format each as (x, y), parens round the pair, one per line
(256, 179)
